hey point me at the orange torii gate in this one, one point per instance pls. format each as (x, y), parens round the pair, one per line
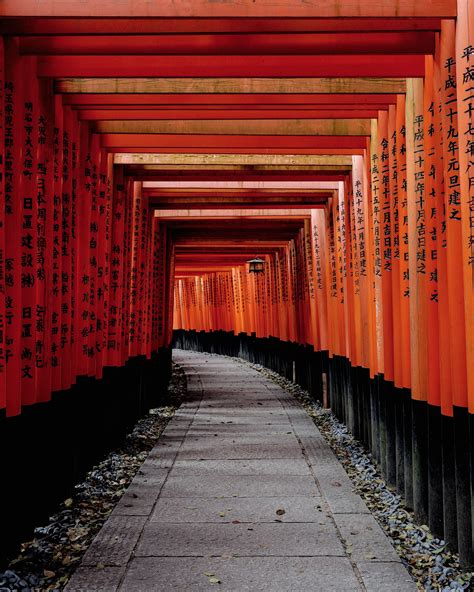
(338, 146)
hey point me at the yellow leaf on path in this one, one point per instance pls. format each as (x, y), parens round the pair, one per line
(214, 580)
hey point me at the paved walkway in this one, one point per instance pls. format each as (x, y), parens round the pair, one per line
(240, 493)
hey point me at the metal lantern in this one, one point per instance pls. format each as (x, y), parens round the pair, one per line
(256, 265)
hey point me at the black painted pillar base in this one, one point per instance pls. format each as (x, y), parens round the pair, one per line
(463, 486)
(420, 460)
(449, 482)
(435, 472)
(398, 395)
(50, 447)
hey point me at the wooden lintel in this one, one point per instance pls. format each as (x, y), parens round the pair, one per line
(254, 212)
(222, 185)
(295, 127)
(337, 175)
(237, 202)
(237, 8)
(231, 85)
(295, 100)
(154, 26)
(285, 112)
(231, 159)
(266, 43)
(236, 66)
(244, 150)
(244, 193)
(230, 143)
(188, 169)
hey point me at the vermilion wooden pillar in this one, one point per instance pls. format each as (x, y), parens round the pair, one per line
(3, 394)
(13, 98)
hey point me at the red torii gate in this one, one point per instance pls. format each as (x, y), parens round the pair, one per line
(96, 94)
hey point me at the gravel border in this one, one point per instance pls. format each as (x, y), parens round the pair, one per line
(432, 566)
(46, 563)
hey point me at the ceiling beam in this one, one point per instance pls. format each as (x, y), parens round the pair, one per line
(342, 112)
(147, 26)
(284, 85)
(238, 8)
(223, 175)
(288, 177)
(240, 66)
(233, 44)
(254, 213)
(189, 142)
(239, 201)
(246, 192)
(237, 236)
(244, 127)
(233, 169)
(244, 151)
(231, 159)
(223, 185)
(235, 100)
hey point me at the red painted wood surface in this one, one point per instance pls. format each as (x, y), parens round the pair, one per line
(375, 266)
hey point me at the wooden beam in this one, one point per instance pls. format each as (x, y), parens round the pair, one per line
(231, 159)
(188, 142)
(238, 8)
(221, 243)
(342, 112)
(267, 66)
(252, 192)
(199, 226)
(231, 169)
(267, 214)
(335, 175)
(243, 150)
(246, 127)
(236, 235)
(234, 100)
(245, 195)
(221, 185)
(234, 43)
(238, 202)
(152, 26)
(219, 85)
(316, 174)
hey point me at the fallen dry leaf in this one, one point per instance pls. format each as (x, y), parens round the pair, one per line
(48, 574)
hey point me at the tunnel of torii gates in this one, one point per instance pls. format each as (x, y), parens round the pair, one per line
(151, 148)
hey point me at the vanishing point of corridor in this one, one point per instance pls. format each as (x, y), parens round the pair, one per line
(283, 181)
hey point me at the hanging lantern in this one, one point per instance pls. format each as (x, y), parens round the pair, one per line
(256, 265)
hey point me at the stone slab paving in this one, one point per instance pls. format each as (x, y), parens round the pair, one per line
(240, 493)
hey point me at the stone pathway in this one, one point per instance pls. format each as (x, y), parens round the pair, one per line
(240, 493)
